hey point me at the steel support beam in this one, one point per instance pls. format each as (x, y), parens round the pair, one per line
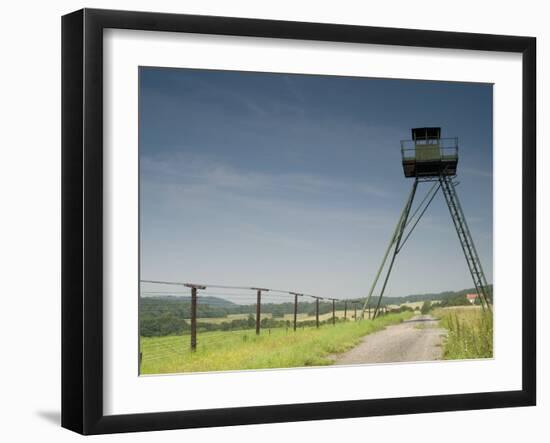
(394, 243)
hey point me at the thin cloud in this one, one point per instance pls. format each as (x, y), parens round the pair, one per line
(474, 172)
(193, 172)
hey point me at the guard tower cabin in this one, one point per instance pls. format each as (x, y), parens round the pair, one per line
(429, 155)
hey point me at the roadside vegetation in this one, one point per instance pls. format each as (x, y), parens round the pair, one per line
(426, 308)
(470, 332)
(275, 348)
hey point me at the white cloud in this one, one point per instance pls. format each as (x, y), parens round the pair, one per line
(191, 171)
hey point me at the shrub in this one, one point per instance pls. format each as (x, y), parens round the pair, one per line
(426, 307)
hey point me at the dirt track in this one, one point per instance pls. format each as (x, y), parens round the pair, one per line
(417, 339)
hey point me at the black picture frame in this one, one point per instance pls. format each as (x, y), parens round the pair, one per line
(82, 218)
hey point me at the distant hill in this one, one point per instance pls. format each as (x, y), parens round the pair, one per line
(218, 307)
(430, 296)
(177, 299)
(222, 303)
(166, 315)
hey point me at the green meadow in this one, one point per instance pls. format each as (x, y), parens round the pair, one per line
(241, 350)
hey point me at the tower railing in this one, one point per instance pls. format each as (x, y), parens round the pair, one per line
(448, 148)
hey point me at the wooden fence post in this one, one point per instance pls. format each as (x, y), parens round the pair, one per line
(295, 309)
(193, 319)
(258, 310)
(258, 307)
(317, 311)
(194, 314)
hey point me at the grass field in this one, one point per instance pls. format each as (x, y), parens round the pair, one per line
(322, 317)
(228, 319)
(239, 350)
(300, 317)
(470, 332)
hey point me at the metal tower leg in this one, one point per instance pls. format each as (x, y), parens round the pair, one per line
(466, 241)
(394, 242)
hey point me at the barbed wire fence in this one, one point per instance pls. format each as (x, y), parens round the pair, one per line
(195, 316)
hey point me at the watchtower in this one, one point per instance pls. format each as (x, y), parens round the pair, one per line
(427, 157)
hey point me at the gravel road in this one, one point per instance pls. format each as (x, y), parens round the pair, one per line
(417, 339)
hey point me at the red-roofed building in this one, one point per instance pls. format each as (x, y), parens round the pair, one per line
(472, 298)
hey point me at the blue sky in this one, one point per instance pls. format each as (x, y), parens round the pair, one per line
(295, 181)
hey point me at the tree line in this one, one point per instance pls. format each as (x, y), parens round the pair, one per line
(169, 315)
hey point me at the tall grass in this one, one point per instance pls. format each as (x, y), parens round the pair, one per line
(470, 332)
(239, 350)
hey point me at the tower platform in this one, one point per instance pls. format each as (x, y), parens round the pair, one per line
(429, 155)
